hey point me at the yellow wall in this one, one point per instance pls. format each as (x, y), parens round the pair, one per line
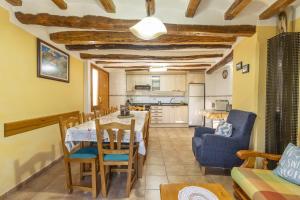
(25, 96)
(249, 90)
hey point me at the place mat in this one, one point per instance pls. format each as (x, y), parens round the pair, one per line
(125, 116)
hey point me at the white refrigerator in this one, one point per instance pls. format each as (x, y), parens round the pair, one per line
(196, 104)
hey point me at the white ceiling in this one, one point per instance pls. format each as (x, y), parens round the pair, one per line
(210, 12)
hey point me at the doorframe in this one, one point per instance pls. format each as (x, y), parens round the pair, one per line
(93, 66)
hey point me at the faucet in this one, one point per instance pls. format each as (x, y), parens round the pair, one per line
(171, 99)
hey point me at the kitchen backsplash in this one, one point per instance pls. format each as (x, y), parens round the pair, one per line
(147, 99)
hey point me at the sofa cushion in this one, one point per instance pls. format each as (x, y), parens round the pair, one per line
(261, 184)
(289, 164)
(224, 129)
(196, 145)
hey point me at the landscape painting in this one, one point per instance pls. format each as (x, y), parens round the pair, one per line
(52, 63)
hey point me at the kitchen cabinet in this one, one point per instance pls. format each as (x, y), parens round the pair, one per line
(169, 114)
(133, 80)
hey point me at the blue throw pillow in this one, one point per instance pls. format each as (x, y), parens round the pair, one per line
(224, 129)
(289, 164)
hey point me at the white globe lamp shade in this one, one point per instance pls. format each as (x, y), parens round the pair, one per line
(148, 28)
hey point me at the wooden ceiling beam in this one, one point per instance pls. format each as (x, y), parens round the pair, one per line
(227, 59)
(236, 8)
(60, 4)
(103, 37)
(169, 66)
(108, 5)
(120, 25)
(192, 8)
(139, 57)
(14, 2)
(275, 9)
(146, 47)
(150, 7)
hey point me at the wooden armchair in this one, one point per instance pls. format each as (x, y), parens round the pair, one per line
(250, 158)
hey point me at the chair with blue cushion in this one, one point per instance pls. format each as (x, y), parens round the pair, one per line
(216, 151)
(79, 154)
(117, 156)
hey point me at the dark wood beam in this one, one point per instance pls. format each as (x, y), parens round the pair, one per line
(139, 57)
(275, 9)
(15, 2)
(102, 37)
(169, 66)
(192, 8)
(150, 6)
(60, 4)
(227, 59)
(236, 8)
(120, 25)
(108, 5)
(146, 47)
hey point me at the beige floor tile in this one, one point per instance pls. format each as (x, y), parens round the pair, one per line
(175, 170)
(178, 179)
(152, 195)
(155, 170)
(153, 182)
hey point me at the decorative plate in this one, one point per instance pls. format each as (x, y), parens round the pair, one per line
(196, 193)
(125, 116)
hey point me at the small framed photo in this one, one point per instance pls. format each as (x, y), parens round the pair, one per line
(52, 63)
(246, 68)
(239, 66)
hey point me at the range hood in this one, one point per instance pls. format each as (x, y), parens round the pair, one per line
(142, 87)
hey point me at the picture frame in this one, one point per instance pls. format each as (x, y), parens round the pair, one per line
(52, 63)
(239, 66)
(246, 68)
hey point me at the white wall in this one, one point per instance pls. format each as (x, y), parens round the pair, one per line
(216, 87)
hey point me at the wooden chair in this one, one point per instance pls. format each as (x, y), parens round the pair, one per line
(87, 155)
(88, 116)
(117, 153)
(250, 158)
(97, 111)
(146, 132)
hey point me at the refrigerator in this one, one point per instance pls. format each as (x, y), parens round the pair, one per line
(196, 104)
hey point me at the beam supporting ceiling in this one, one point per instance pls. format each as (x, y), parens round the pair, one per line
(192, 8)
(108, 5)
(120, 25)
(60, 4)
(150, 6)
(15, 2)
(102, 37)
(236, 8)
(275, 9)
(227, 59)
(139, 57)
(169, 66)
(146, 47)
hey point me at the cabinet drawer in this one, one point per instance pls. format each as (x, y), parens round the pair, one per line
(156, 108)
(156, 114)
(156, 118)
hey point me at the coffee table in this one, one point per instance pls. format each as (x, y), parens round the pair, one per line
(170, 191)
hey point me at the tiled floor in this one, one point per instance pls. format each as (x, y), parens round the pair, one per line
(170, 160)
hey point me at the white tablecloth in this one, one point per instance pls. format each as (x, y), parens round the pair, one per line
(87, 131)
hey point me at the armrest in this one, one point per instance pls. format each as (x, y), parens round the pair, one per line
(203, 130)
(250, 158)
(221, 142)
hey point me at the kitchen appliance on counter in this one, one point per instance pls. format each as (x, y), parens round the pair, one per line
(221, 105)
(196, 104)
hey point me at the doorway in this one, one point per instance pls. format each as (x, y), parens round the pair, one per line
(99, 87)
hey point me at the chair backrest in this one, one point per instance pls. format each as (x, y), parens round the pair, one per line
(146, 126)
(88, 116)
(64, 124)
(97, 111)
(115, 140)
(242, 124)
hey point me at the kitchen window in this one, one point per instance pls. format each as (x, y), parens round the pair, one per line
(155, 83)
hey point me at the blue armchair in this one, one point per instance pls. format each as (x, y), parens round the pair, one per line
(213, 150)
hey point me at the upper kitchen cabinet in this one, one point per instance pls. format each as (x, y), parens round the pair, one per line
(173, 83)
(136, 79)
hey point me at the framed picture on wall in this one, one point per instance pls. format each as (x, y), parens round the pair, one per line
(239, 66)
(245, 69)
(53, 63)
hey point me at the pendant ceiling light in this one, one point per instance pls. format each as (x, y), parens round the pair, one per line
(149, 27)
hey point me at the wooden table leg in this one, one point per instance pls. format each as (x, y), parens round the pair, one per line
(140, 165)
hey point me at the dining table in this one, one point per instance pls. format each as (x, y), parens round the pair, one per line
(86, 132)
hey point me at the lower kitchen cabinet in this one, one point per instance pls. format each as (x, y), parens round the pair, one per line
(168, 115)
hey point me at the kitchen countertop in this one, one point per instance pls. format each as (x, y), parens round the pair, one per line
(156, 104)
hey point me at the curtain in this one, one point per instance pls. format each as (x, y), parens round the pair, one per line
(282, 92)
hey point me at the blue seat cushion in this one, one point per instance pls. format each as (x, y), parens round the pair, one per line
(85, 153)
(116, 157)
(196, 145)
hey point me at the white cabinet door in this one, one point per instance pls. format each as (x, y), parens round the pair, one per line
(130, 82)
(180, 83)
(181, 114)
(166, 114)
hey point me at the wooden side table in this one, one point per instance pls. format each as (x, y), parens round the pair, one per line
(170, 191)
